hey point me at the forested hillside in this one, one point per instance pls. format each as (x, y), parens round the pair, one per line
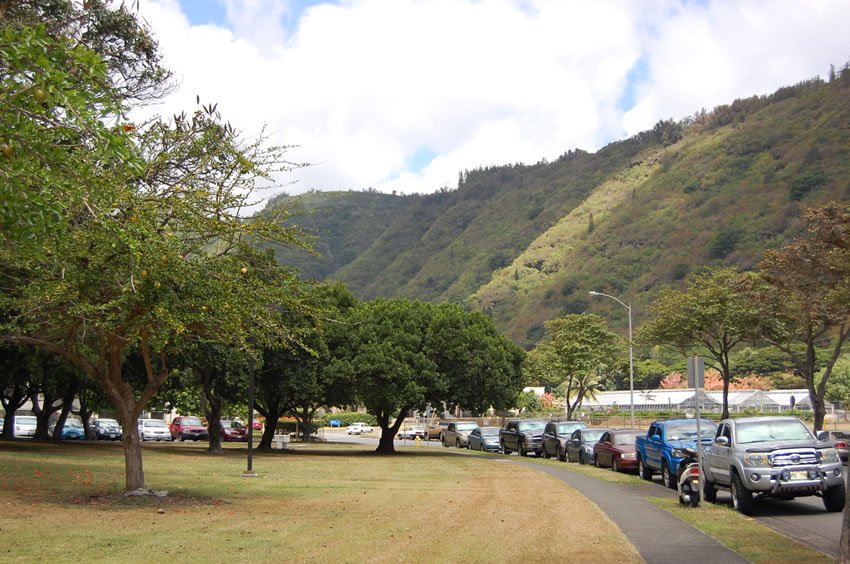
(527, 242)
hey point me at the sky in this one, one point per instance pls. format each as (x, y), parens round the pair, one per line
(402, 95)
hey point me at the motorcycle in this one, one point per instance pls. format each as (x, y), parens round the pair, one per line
(689, 478)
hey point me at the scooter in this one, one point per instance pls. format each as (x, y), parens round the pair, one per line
(689, 478)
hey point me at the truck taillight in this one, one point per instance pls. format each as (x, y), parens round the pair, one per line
(841, 445)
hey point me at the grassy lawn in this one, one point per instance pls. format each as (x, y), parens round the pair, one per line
(336, 503)
(744, 535)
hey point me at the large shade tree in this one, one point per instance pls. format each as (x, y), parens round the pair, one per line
(402, 355)
(145, 242)
(712, 315)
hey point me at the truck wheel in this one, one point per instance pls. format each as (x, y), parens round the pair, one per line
(615, 466)
(667, 477)
(742, 498)
(644, 472)
(545, 453)
(505, 449)
(457, 443)
(581, 457)
(709, 492)
(562, 456)
(833, 498)
(445, 443)
(522, 451)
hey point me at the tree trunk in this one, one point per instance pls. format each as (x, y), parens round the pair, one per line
(11, 404)
(212, 411)
(820, 413)
(268, 433)
(725, 413)
(388, 433)
(134, 474)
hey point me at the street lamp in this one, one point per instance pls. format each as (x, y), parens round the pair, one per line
(631, 356)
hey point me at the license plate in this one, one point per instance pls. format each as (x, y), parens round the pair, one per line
(799, 475)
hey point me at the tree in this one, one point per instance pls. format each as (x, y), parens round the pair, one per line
(402, 355)
(574, 350)
(806, 293)
(389, 364)
(150, 245)
(713, 314)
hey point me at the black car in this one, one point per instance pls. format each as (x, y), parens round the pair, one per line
(580, 445)
(555, 437)
(107, 430)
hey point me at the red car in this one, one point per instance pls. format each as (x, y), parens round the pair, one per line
(616, 449)
(188, 428)
(258, 425)
(233, 431)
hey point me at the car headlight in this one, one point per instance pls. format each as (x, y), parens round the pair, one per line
(628, 455)
(829, 455)
(678, 453)
(756, 460)
(587, 448)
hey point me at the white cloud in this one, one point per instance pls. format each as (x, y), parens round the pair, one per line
(365, 85)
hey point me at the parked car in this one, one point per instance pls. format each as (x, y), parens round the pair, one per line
(435, 429)
(456, 433)
(107, 430)
(555, 437)
(616, 449)
(358, 428)
(25, 426)
(412, 431)
(661, 449)
(2, 425)
(774, 456)
(233, 431)
(188, 428)
(483, 438)
(153, 430)
(258, 425)
(837, 439)
(523, 436)
(73, 430)
(580, 445)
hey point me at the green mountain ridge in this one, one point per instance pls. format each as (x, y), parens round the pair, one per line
(526, 243)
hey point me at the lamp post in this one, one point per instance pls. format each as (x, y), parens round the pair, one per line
(631, 356)
(249, 473)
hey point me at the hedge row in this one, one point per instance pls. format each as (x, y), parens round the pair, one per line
(347, 418)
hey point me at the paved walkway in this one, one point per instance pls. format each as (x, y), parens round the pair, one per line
(657, 534)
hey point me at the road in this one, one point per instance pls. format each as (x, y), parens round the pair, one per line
(803, 519)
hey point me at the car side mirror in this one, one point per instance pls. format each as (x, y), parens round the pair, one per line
(722, 441)
(655, 437)
(823, 436)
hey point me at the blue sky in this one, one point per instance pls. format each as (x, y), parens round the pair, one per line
(403, 94)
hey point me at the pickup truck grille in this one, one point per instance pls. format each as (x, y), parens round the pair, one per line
(794, 458)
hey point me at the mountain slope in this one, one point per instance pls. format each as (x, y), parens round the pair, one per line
(526, 243)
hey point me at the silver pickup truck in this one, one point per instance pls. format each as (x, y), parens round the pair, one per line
(754, 457)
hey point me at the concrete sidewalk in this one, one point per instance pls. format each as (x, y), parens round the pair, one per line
(657, 535)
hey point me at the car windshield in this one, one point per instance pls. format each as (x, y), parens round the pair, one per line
(465, 426)
(191, 421)
(489, 431)
(73, 423)
(568, 428)
(26, 419)
(626, 438)
(591, 435)
(531, 425)
(154, 423)
(106, 423)
(758, 431)
(231, 424)
(688, 431)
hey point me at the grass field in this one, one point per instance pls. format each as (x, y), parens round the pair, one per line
(337, 503)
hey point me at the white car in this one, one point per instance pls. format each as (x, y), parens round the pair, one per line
(154, 430)
(25, 426)
(359, 428)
